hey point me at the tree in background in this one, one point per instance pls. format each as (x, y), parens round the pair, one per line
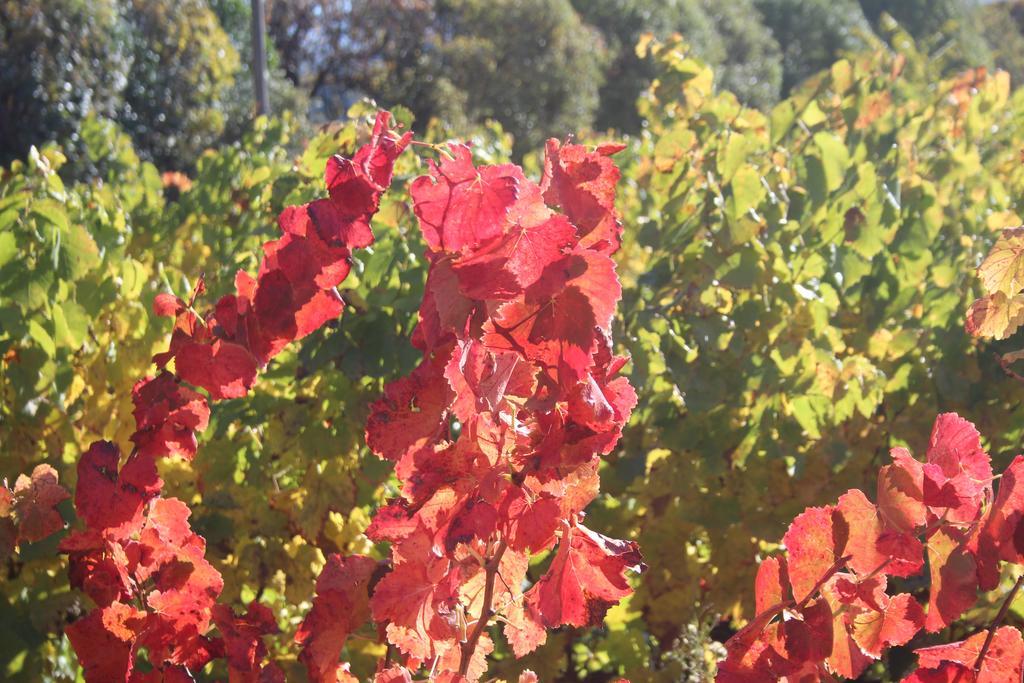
(950, 28)
(621, 23)
(235, 17)
(730, 36)
(183, 69)
(532, 65)
(541, 79)
(747, 57)
(59, 60)
(176, 75)
(813, 34)
(163, 69)
(1003, 25)
(335, 50)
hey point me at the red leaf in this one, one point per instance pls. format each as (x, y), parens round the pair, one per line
(104, 640)
(947, 672)
(460, 206)
(416, 600)
(167, 417)
(895, 623)
(807, 640)
(393, 674)
(356, 185)
(412, 412)
(445, 311)
(243, 637)
(954, 578)
(108, 501)
(959, 473)
(1007, 512)
(1003, 661)
(865, 528)
(583, 183)
(224, 369)
(168, 306)
(812, 540)
(509, 264)
(901, 492)
(587, 577)
(771, 587)
(35, 500)
(556, 324)
(523, 629)
(341, 606)
(846, 658)
(478, 378)
(532, 522)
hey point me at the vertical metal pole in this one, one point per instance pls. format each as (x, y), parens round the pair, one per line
(259, 57)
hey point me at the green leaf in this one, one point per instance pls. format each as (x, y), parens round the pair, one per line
(71, 324)
(834, 159)
(806, 411)
(51, 212)
(747, 191)
(80, 251)
(133, 278)
(8, 248)
(42, 338)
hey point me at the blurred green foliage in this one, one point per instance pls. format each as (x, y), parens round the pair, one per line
(813, 34)
(182, 68)
(60, 60)
(539, 80)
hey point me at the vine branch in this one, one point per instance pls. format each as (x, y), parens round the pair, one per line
(486, 611)
(996, 622)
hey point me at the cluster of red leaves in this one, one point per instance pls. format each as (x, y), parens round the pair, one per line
(28, 511)
(497, 434)
(137, 557)
(826, 608)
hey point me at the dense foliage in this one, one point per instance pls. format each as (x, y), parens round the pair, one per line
(162, 69)
(801, 284)
(795, 286)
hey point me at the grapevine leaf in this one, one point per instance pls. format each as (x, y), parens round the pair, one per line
(587, 577)
(1003, 268)
(341, 606)
(1003, 660)
(35, 500)
(582, 183)
(460, 206)
(812, 540)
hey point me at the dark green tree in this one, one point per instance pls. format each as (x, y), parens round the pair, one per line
(533, 65)
(622, 23)
(748, 60)
(235, 17)
(1004, 31)
(813, 34)
(728, 35)
(336, 51)
(950, 30)
(182, 73)
(59, 60)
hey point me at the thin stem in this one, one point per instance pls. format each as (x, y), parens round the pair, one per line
(486, 611)
(996, 622)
